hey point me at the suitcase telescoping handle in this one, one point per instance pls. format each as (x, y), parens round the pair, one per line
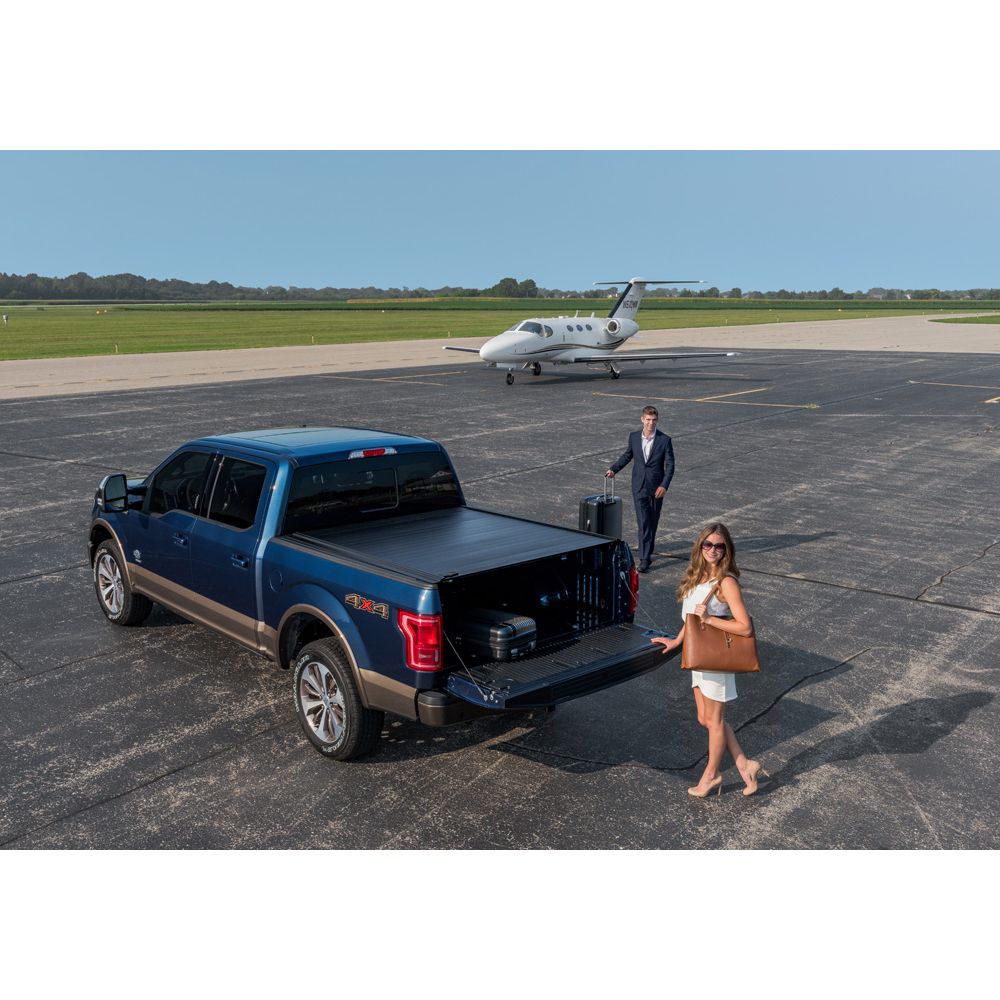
(609, 479)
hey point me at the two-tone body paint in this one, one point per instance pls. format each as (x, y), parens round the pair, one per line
(283, 578)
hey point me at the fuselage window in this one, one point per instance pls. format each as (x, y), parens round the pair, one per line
(589, 327)
(570, 327)
(580, 328)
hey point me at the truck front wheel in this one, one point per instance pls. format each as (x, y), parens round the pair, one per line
(328, 705)
(118, 601)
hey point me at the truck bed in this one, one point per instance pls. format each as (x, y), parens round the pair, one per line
(460, 541)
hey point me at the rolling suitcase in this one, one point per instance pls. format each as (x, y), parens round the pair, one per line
(496, 635)
(602, 514)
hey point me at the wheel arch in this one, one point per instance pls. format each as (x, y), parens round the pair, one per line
(102, 531)
(304, 623)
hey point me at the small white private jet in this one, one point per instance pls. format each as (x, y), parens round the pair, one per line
(569, 340)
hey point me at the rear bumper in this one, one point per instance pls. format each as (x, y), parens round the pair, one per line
(438, 708)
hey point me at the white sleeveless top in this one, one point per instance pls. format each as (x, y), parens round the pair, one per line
(713, 684)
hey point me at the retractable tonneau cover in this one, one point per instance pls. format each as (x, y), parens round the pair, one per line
(447, 543)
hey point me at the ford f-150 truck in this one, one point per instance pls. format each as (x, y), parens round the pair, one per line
(351, 557)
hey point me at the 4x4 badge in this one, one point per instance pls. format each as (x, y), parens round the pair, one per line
(368, 604)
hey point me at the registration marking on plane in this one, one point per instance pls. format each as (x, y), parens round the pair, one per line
(714, 399)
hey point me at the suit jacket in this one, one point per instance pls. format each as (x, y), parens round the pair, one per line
(658, 471)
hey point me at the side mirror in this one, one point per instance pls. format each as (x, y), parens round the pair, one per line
(112, 494)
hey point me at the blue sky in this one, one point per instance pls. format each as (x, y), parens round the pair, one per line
(757, 220)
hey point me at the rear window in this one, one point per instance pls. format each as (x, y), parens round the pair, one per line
(367, 489)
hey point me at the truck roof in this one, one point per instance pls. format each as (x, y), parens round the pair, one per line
(299, 443)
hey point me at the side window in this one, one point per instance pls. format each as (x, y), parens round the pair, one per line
(548, 331)
(237, 493)
(181, 485)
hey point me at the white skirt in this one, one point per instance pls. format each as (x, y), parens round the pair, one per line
(714, 684)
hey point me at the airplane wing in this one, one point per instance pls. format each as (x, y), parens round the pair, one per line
(467, 350)
(654, 357)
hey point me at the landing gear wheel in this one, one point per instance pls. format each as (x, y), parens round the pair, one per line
(615, 373)
(536, 368)
(510, 378)
(328, 704)
(114, 593)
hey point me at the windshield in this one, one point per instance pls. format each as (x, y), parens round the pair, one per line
(368, 489)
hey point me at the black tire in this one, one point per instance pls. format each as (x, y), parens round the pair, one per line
(510, 378)
(328, 704)
(536, 369)
(120, 604)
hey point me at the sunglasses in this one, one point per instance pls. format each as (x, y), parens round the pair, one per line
(718, 546)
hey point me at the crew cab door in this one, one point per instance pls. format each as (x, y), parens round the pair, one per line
(224, 547)
(160, 543)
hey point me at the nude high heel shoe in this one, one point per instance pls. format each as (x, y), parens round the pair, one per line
(755, 768)
(712, 785)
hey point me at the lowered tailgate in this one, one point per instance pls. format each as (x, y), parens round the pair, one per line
(561, 670)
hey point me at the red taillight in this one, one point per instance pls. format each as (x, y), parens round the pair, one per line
(423, 640)
(633, 591)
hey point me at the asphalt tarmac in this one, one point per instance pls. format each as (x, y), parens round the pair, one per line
(859, 486)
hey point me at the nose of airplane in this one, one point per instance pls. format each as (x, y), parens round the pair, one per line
(496, 349)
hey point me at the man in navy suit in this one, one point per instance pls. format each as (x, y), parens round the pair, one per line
(651, 474)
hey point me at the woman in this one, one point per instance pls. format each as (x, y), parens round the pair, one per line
(711, 591)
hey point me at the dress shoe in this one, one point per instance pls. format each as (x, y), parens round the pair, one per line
(644, 566)
(754, 769)
(715, 783)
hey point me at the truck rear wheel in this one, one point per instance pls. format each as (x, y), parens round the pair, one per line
(328, 704)
(120, 604)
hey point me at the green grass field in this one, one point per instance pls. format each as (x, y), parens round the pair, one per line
(992, 318)
(55, 331)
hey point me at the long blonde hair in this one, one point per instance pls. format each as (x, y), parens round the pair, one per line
(699, 570)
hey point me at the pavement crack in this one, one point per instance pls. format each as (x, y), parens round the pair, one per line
(228, 748)
(688, 767)
(944, 576)
(27, 676)
(44, 573)
(796, 578)
(816, 673)
(57, 461)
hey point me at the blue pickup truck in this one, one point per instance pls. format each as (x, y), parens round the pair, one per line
(351, 557)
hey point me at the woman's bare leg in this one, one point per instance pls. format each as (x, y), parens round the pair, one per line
(715, 723)
(739, 757)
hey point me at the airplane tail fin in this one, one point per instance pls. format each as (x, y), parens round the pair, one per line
(628, 302)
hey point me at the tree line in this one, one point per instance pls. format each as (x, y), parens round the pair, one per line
(134, 288)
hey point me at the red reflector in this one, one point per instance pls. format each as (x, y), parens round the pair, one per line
(633, 586)
(423, 640)
(370, 452)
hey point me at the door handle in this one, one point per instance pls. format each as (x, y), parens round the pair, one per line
(180, 539)
(242, 561)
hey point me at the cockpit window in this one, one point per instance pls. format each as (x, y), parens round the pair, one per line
(548, 330)
(530, 327)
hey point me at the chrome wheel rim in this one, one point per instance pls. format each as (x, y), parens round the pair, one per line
(322, 701)
(110, 584)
